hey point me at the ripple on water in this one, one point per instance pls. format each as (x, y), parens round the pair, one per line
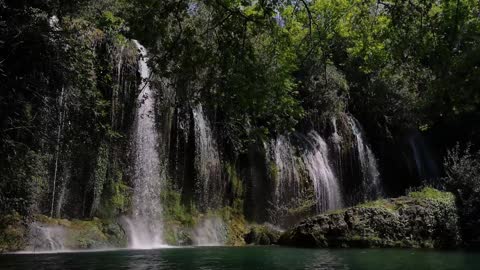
(248, 258)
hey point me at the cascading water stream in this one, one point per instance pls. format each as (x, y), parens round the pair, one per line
(326, 185)
(145, 228)
(207, 162)
(368, 162)
(294, 163)
(287, 174)
(337, 141)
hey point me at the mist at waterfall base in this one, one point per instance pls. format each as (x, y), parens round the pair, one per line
(248, 258)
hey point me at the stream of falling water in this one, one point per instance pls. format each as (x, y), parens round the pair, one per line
(326, 185)
(368, 162)
(294, 164)
(145, 227)
(207, 162)
(287, 173)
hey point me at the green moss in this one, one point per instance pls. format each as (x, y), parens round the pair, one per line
(12, 233)
(433, 194)
(116, 197)
(235, 180)
(175, 211)
(336, 212)
(262, 235)
(382, 204)
(303, 209)
(120, 199)
(397, 203)
(273, 171)
(180, 219)
(236, 225)
(84, 234)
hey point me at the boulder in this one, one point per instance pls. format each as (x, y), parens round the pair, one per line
(262, 235)
(424, 219)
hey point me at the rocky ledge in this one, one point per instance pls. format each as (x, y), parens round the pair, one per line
(262, 235)
(46, 234)
(422, 219)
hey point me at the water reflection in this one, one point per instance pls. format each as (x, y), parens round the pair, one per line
(326, 260)
(249, 258)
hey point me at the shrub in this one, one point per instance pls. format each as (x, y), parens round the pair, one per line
(462, 167)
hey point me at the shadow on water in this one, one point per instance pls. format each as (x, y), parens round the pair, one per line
(250, 258)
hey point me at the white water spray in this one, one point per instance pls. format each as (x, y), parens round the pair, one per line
(287, 174)
(145, 227)
(207, 161)
(368, 162)
(46, 238)
(317, 162)
(210, 232)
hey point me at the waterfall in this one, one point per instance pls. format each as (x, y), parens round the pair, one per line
(145, 225)
(207, 162)
(286, 174)
(337, 141)
(326, 185)
(310, 161)
(368, 162)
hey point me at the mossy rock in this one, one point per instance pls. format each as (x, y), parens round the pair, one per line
(12, 233)
(76, 234)
(262, 235)
(177, 234)
(423, 219)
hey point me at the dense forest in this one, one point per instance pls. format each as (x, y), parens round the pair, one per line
(243, 93)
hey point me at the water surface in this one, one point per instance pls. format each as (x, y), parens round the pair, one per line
(248, 258)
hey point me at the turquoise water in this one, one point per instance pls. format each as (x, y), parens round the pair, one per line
(248, 258)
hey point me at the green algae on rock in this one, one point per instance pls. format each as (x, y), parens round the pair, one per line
(423, 219)
(262, 235)
(61, 234)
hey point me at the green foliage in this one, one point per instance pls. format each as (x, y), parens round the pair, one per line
(57, 101)
(12, 232)
(116, 198)
(377, 204)
(175, 210)
(433, 194)
(235, 223)
(87, 234)
(235, 181)
(230, 55)
(463, 180)
(413, 197)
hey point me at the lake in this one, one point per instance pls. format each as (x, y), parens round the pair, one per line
(248, 258)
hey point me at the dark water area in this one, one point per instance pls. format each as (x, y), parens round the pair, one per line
(248, 258)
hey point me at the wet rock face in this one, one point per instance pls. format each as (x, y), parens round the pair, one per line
(400, 222)
(262, 235)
